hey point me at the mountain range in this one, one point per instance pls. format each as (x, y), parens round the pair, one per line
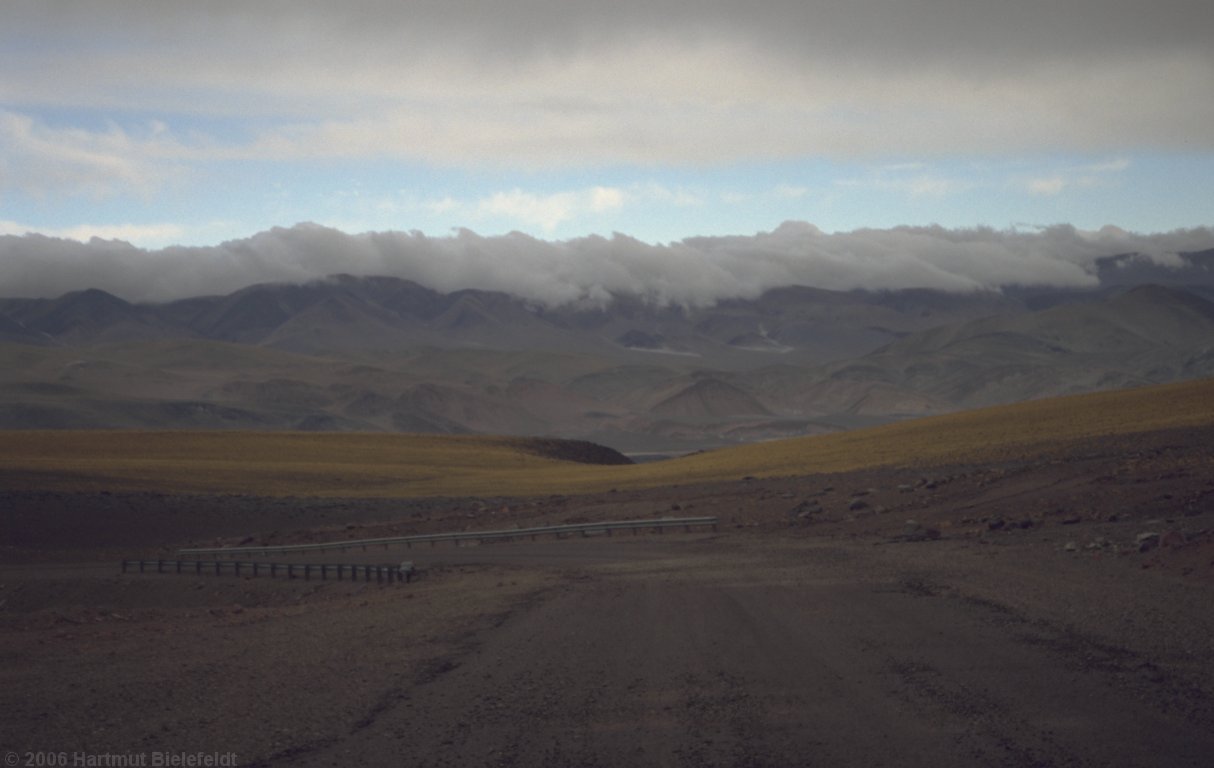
(380, 353)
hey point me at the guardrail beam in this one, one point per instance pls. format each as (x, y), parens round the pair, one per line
(659, 526)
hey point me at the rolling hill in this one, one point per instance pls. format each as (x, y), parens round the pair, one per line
(385, 465)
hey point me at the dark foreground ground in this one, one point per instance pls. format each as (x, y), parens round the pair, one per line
(1020, 618)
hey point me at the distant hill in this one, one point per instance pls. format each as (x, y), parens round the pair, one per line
(386, 354)
(385, 465)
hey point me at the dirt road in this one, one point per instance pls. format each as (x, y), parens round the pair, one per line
(822, 655)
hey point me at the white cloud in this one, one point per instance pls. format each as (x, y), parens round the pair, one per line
(1116, 165)
(42, 161)
(695, 271)
(549, 211)
(790, 191)
(914, 180)
(1050, 186)
(144, 235)
(1080, 177)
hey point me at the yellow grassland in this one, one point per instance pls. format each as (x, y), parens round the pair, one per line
(394, 465)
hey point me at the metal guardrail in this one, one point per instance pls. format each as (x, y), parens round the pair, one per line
(389, 573)
(586, 529)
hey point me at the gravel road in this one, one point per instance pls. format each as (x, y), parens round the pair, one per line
(822, 655)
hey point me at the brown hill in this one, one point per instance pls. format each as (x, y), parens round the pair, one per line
(709, 398)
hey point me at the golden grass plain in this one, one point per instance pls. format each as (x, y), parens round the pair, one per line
(400, 465)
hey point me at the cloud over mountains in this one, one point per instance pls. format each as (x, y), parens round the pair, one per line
(559, 83)
(696, 271)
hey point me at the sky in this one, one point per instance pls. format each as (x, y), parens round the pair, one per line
(568, 122)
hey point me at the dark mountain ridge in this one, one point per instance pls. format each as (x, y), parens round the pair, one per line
(383, 353)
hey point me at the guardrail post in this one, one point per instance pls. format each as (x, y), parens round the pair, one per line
(218, 565)
(273, 570)
(236, 568)
(308, 572)
(197, 567)
(255, 564)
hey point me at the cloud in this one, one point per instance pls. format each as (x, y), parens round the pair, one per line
(790, 191)
(914, 180)
(43, 161)
(549, 211)
(1081, 177)
(148, 235)
(572, 83)
(1050, 186)
(694, 271)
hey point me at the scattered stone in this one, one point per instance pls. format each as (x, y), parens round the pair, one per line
(857, 504)
(995, 524)
(1071, 520)
(805, 510)
(916, 531)
(1070, 546)
(906, 488)
(1147, 541)
(1172, 539)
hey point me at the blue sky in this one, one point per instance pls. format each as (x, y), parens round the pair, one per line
(161, 123)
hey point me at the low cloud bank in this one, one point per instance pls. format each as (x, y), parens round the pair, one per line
(693, 272)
